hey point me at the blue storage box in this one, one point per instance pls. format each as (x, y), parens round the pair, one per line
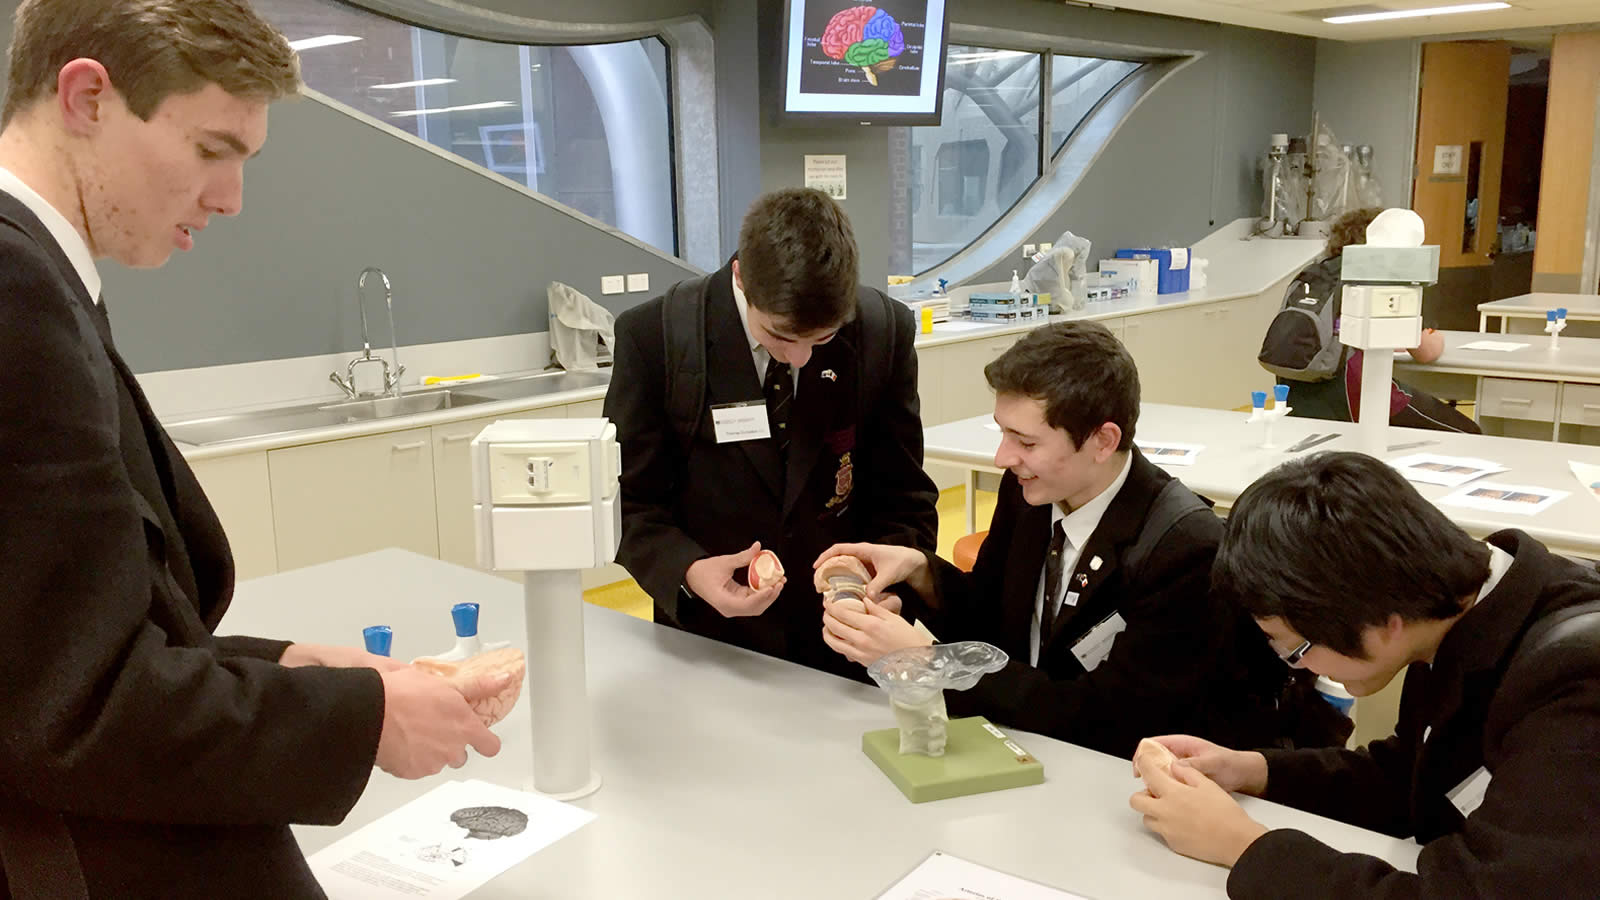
(1173, 266)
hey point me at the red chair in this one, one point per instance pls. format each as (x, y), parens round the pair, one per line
(966, 550)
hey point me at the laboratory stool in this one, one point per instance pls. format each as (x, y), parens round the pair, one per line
(966, 550)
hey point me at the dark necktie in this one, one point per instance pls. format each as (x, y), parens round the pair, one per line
(102, 321)
(779, 390)
(1053, 573)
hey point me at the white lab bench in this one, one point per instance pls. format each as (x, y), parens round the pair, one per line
(1533, 391)
(731, 774)
(1525, 313)
(1233, 458)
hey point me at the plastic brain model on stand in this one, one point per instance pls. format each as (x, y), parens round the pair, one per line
(866, 37)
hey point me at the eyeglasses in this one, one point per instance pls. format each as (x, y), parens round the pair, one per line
(1293, 656)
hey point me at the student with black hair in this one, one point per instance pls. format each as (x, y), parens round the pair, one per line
(772, 404)
(1094, 577)
(1493, 766)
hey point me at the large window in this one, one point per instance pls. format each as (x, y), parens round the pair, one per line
(987, 151)
(587, 126)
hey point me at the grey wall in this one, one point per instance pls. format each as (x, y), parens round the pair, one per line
(1368, 95)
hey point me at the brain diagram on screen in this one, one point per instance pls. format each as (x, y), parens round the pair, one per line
(866, 37)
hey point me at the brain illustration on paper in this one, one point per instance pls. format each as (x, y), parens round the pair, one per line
(866, 37)
(489, 823)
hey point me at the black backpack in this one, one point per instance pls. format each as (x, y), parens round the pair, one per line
(1302, 343)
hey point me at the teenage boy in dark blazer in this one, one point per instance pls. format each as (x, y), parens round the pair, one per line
(1493, 765)
(141, 756)
(1094, 577)
(826, 447)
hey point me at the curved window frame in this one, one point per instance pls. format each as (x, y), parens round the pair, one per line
(1063, 169)
(690, 95)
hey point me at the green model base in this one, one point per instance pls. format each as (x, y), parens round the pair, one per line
(978, 757)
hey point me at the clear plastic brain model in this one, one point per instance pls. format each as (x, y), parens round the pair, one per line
(864, 36)
(916, 679)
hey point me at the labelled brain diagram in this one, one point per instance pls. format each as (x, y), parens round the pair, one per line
(865, 37)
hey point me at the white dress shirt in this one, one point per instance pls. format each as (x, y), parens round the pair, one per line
(67, 237)
(757, 352)
(1080, 525)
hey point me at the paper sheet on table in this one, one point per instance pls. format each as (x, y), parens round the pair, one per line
(1517, 499)
(1588, 476)
(444, 844)
(1448, 471)
(1501, 346)
(945, 877)
(1168, 453)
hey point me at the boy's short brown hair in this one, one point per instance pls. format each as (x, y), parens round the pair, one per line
(798, 260)
(152, 49)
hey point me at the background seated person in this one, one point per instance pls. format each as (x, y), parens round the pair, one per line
(1339, 398)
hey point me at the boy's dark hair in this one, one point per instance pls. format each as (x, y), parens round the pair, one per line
(1339, 542)
(1082, 374)
(798, 260)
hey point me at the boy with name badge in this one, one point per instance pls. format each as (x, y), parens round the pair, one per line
(1493, 765)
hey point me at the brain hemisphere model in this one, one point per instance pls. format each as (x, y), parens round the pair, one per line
(463, 673)
(864, 36)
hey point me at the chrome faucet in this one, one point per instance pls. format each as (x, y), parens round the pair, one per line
(390, 380)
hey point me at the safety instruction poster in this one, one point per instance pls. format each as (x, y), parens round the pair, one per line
(444, 844)
(945, 877)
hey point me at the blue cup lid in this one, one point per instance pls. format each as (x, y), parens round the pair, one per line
(465, 615)
(1258, 399)
(1561, 312)
(1550, 315)
(1280, 392)
(378, 639)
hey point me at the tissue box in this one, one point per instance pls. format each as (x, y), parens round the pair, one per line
(1172, 275)
(1141, 275)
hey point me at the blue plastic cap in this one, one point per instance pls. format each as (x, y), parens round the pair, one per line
(1550, 315)
(1561, 312)
(466, 619)
(378, 639)
(1258, 399)
(1281, 392)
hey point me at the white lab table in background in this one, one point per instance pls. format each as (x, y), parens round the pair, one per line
(1233, 458)
(730, 774)
(1533, 391)
(1525, 313)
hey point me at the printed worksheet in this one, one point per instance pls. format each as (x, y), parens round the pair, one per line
(1517, 499)
(1448, 471)
(1498, 346)
(444, 844)
(945, 877)
(1588, 476)
(1167, 453)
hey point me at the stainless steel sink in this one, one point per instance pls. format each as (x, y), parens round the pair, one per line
(288, 419)
(537, 385)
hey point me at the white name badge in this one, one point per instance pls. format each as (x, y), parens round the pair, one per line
(1468, 795)
(1093, 648)
(741, 421)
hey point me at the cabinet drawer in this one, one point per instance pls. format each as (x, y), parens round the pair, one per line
(1580, 404)
(1512, 398)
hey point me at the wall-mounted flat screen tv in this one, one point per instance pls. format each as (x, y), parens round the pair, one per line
(876, 63)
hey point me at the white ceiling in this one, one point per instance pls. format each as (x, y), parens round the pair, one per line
(1305, 16)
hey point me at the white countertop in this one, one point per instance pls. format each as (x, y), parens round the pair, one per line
(728, 774)
(1233, 458)
(1573, 358)
(1579, 306)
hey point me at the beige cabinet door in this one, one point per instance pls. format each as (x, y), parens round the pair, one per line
(587, 409)
(965, 392)
(1227, 347)
(240, 490)
(452, 482)
(930, 360)
(343, 498)
(1165, 347)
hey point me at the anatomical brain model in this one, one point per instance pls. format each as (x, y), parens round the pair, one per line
(864, 36)
(916, 679)
(493, 662)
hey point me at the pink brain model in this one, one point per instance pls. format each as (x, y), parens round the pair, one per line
(493, 662)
